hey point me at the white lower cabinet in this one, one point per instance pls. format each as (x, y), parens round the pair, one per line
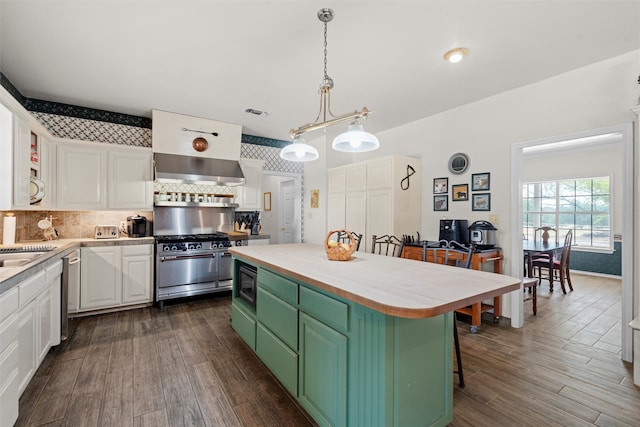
(9, 356)
(26, 344)
(112, 276)
(38, 321)
(137, 274)
(100, 277)
(29, 327)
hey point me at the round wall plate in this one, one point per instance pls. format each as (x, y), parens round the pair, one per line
(458, 163)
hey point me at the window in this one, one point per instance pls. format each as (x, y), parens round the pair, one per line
(581, 205)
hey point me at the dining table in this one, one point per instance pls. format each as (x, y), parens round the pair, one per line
(532, 247)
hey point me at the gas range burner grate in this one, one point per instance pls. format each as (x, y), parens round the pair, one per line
(215, 237)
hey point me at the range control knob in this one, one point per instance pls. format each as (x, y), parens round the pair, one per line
(198, 246)
(174, 248)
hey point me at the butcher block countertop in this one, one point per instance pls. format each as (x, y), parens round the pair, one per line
(393, 286)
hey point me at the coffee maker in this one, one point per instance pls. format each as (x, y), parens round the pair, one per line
(454, 229)
(137, 226)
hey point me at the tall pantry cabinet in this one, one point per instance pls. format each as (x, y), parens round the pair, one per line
(376, 197)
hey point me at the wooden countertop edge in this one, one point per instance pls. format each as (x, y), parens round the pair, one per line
(410, 313)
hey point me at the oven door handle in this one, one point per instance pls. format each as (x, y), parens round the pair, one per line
(183, 257)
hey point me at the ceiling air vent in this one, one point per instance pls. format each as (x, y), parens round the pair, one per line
(256, 112)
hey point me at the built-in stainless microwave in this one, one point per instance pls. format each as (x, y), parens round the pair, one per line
(247, 283)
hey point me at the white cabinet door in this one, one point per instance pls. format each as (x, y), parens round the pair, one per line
(137, 282)
(82, 177)
(44, 334)
(27, 330)
(129, 183)
(355, 178)
(250, 194)
(100, 277)
(379, 214)
(21, 162)
(336, 206)
(48, 172)
(380, 173)
(355, 218)
(336, 180)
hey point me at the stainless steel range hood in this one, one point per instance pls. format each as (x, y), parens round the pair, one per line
(197, 170)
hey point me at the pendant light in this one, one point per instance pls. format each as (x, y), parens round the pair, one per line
(354, 140)
(299, 151)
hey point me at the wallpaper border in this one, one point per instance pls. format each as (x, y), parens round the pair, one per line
(61, 109)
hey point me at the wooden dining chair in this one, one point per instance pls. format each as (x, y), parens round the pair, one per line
(560, 266)
(344, 238)
(386, 245)
(456, 255)
(542, 234)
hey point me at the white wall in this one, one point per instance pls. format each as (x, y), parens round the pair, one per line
(315, 178)
(269, 219)
(595, 96)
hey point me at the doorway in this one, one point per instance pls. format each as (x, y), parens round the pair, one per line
(284, 221)
(620, 135)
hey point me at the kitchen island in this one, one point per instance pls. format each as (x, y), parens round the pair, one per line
(366, 342)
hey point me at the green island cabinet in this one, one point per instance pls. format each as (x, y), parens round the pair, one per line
(348, 365)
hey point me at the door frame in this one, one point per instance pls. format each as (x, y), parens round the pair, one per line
(297, 178)
(517, 161)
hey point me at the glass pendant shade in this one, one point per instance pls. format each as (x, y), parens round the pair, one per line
(355, 140)
(299, 151)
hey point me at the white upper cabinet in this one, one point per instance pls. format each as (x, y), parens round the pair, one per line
(336, 180)
(21, 162)
(82, 177)
(355, 178)
(376, 197)
(175, 134)
(102, 176)
(129, 184)
(27, 173)
(250, 194)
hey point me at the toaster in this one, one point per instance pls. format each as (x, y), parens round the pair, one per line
(106, 232)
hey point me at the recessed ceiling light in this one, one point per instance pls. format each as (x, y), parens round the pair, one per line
(256, 112)
(456, 54)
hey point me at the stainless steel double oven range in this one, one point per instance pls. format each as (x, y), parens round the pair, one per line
(192, 251)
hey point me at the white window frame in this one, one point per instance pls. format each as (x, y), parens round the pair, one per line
(585, 248)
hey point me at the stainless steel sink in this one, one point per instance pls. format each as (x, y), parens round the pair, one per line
(18, 259)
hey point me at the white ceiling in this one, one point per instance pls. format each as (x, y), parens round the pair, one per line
(215, 58)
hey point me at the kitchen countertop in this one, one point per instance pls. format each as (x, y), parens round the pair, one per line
(259, 236)
(390, 285)
(10, 277)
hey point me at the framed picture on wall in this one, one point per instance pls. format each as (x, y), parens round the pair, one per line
(441, 203)
(315, 198)
(267, 201)
(460, 192)
(481, 181)
(440, 185)
(481, 202)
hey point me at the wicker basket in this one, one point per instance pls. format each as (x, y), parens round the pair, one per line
(342, 251)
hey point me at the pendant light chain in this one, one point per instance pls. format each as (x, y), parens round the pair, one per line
(354, 140)
(327, 80)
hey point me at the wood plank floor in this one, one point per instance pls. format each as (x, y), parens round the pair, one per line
(185, 366)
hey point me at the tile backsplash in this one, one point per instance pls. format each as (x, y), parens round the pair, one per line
(69, 224)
